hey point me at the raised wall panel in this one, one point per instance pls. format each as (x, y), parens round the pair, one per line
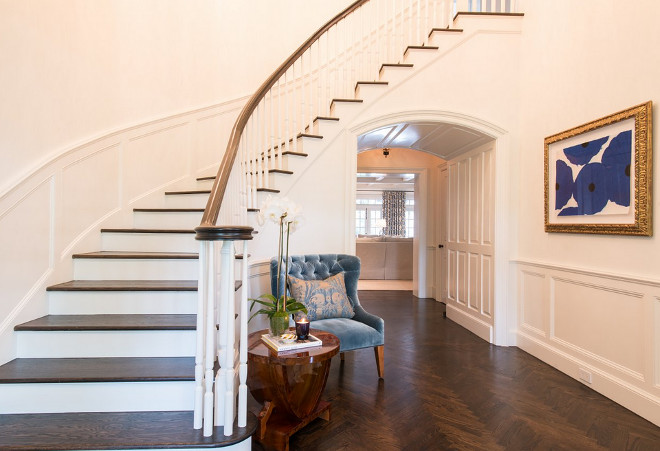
(463, 199)
(475, 199)
(25, 234)
(656, 341)
(462, 276)
(487, 288)
(532, 305)
(474, 295)
(601, 321)
(212, 137)
(452, 260)
(155, 159)
(90, 191)
(452, 203)
(488, 199)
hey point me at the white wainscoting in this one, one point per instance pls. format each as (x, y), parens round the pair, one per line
(594, 325)
(58, 209)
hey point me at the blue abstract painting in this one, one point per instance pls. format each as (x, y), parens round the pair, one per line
(593, 178)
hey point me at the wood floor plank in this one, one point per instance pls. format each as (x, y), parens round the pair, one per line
(105, 369)
(446, 389)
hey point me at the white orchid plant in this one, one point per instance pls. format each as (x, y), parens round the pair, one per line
(288, 215)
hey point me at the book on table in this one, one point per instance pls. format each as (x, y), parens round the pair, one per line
(279, 344)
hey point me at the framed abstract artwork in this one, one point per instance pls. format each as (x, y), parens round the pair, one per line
(598, 176)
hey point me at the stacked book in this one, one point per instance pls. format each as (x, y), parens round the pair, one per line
(286, 344)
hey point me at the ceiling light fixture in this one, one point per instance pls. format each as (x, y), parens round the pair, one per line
(386, 151)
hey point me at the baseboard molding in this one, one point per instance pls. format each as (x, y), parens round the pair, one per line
(480, 328)
(633, 398)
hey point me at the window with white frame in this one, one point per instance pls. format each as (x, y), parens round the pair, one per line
(369, 213)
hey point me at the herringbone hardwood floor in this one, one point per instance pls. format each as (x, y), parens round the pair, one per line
(446, 389)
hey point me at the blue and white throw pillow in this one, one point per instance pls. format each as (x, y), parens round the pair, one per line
(323, 298)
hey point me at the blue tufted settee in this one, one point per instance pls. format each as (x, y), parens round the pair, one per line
(364, 330)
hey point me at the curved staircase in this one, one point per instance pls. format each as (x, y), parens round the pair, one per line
(112, 365)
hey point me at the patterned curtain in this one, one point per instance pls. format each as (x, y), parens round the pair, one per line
(394, 212)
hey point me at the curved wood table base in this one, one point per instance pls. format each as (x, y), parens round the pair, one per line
(289, 385)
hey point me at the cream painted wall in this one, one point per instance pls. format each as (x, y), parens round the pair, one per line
(571, 74)
(74, 70)
(587, 304)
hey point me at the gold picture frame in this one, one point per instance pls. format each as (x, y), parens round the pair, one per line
(601, 173)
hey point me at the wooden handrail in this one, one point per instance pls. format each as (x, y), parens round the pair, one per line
(212, 209)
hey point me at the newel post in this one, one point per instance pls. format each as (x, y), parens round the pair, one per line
(221, 330)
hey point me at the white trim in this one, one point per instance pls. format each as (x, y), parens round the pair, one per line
(628, 278)
(639, 401)
(480, 328)
(504, 314)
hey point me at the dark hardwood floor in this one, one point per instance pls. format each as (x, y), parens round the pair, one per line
(446, 389)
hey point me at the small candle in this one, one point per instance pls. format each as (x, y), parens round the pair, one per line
(302, 329)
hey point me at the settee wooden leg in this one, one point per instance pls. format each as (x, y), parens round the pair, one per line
(341, 356)
(379, 351)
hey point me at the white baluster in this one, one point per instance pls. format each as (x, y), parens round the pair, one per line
(200, 336)
(242, 389)
(227, 304)
(295, 107)
(209, 341)
(278, 135)
(220, 318)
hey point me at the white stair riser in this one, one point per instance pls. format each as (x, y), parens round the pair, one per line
(420, 57)
(369, 93)
(97, 397)
(149, 242)
(186, 200)
(166, 220)
(311, 146)
(135, 269)
(489, 23)
(293, 163)
(395, 75)
(122, 302)
(346, 110)
(445, 40)
(113, 343)
(326, 128)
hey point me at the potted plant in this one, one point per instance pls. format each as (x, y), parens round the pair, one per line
(278, 307)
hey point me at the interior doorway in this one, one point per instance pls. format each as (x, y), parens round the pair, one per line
(449, 272)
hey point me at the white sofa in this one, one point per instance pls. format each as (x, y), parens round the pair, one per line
(384, 257)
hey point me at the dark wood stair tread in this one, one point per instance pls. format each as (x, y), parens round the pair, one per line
(194, 191)
(98, 369)
(139, 255)
(139, 230)
(450, 30)
(267, 190)
(348, 100)
(170, 210)
(112, 430)
(325, 118)
(395, 65)
(309, 135)
(132, 285)
(125, 285)
(110, 322)
(208, 177)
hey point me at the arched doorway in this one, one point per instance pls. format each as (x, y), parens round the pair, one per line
(453, 137)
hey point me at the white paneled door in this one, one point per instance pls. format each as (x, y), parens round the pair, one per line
(466, 275)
